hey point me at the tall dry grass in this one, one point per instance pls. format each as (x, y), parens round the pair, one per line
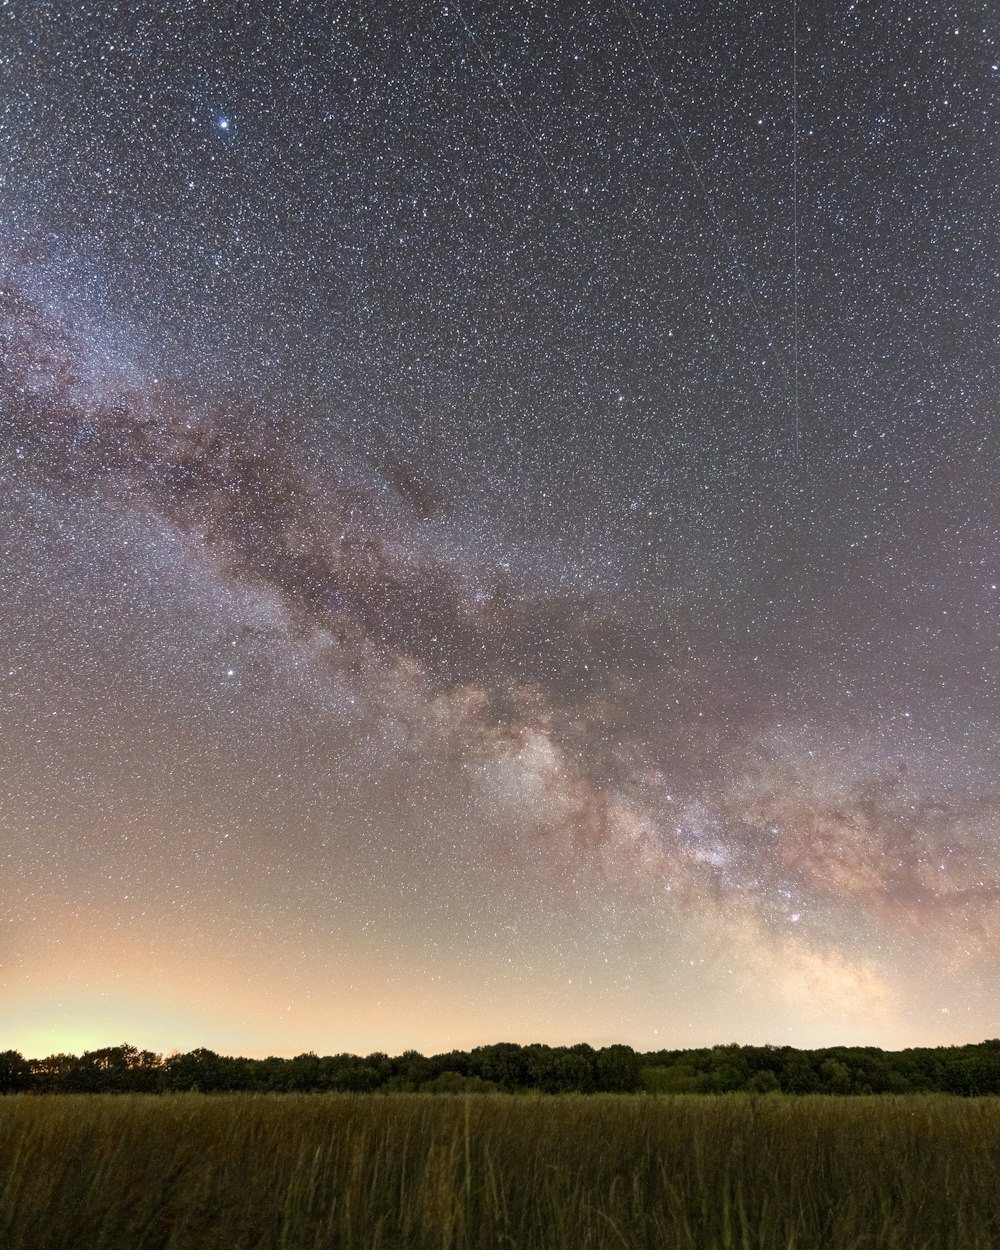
(568, 1173)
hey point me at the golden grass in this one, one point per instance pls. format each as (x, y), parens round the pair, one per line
(402, 1171)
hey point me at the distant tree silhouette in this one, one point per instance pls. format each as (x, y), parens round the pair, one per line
(15, 1072)
(508, 1067)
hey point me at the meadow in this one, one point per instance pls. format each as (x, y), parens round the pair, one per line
(463, 1172)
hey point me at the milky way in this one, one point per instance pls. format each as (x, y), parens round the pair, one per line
(426, 615)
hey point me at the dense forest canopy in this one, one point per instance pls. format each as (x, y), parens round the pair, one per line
(509, 1067)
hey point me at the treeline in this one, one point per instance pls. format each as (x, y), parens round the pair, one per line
(504, 1067)
(507, 1068)
(968, 1070)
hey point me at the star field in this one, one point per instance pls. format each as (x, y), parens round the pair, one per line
(427, 616)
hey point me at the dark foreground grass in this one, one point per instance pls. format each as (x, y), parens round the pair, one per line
(347, 1172)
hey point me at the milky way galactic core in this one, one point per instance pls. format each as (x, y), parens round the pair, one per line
(499, 529)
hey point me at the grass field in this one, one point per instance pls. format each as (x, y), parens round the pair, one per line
(229, 1172)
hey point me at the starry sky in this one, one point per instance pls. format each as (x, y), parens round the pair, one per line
(489, 551)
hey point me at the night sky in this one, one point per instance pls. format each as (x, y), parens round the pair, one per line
(427, 618)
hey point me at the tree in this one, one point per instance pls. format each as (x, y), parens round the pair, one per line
(617, 1070)
(50, 1075)
(561, 1070)
(15, 1072)
(199, 1069)
(836, 1077)
(505, 1064)
(455, 1083)
(763, 1082)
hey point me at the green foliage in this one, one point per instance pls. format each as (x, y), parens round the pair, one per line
(508, 1067)
(455, 1083)
(15, 1072)
(967, 1070)
(763, 1082)
(724, 1172)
